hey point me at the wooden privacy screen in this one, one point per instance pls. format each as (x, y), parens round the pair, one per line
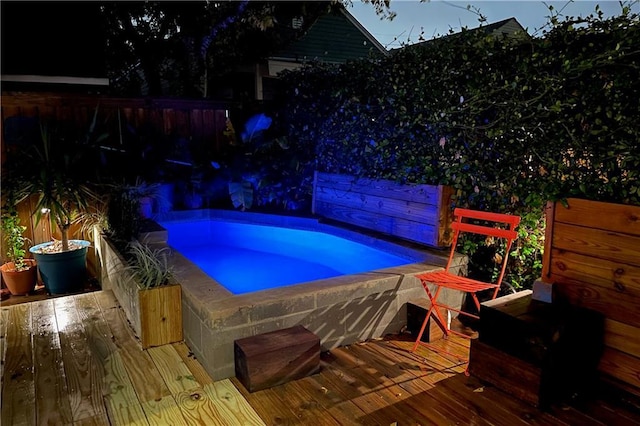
(592, 256)
(420, 213)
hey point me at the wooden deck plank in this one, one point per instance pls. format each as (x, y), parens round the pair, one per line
(4, 318)
(123, 406)
(235, 409)
(386, 367)
(164, 411)
(198, 408)
(377, 382)
(145, 378)
(334, 404)
(306, 409)
(84, 374)
(173, 370)
(366, 388)
(192, 363)
(52, 396)
(491, 404)
(438, 408)
(98, 420)
(409, 362)
(195, 403)
(426, 363)
(158, 405)
(18, 389)
(268, 404)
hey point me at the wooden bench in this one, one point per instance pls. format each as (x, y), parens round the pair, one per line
(277, 357)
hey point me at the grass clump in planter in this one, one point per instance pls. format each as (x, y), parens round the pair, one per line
(149, 266)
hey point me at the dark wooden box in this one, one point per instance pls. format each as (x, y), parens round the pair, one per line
(506, 372)
(540, 332)
(274, 358)
(559, 343)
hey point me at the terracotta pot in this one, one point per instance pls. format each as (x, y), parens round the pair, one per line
(20, 282)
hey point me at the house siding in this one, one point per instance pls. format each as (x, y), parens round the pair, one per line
(332, 38)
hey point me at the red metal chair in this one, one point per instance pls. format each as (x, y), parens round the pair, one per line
(447, 279)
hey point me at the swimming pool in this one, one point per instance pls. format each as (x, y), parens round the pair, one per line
(272, 256)
(340, 309)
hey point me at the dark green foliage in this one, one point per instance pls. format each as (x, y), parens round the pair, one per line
(508, 123)
(12, 233)
(123, 214)
(184, 48)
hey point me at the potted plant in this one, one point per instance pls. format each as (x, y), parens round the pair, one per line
(128, 207)
(19, 273)
(54, 173)
(149, 294)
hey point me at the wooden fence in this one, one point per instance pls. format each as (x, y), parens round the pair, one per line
(592, 256)
(200, 121)
(420, 213)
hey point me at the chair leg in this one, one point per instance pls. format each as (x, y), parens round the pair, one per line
(424, 325)
(476, 301)
(432, 299)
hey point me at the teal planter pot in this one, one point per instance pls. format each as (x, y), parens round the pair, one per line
(63, 272)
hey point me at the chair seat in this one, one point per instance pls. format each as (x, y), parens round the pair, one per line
(456, 282)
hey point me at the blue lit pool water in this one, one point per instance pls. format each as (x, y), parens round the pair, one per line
(246, 257)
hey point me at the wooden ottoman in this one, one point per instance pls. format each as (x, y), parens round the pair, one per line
(277, 357)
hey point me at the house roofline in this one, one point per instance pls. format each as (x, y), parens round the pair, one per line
(364, 31)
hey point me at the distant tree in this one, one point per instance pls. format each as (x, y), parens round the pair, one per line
(182, 46)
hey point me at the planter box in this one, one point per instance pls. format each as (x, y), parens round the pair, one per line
(155, 314)
(592, 258)
(420, 213)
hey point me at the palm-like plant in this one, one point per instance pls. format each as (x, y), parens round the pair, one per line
(53, 172)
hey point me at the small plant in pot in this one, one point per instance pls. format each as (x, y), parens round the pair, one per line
(149, 267)
(19, 273)
(156, 312)
(53, 173)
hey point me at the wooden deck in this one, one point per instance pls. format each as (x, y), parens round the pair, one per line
(74, 361)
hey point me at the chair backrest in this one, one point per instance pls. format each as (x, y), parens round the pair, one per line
(506, 232)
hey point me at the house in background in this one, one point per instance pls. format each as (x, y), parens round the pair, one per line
(334, 38)
(52, 50)
(509, 28)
